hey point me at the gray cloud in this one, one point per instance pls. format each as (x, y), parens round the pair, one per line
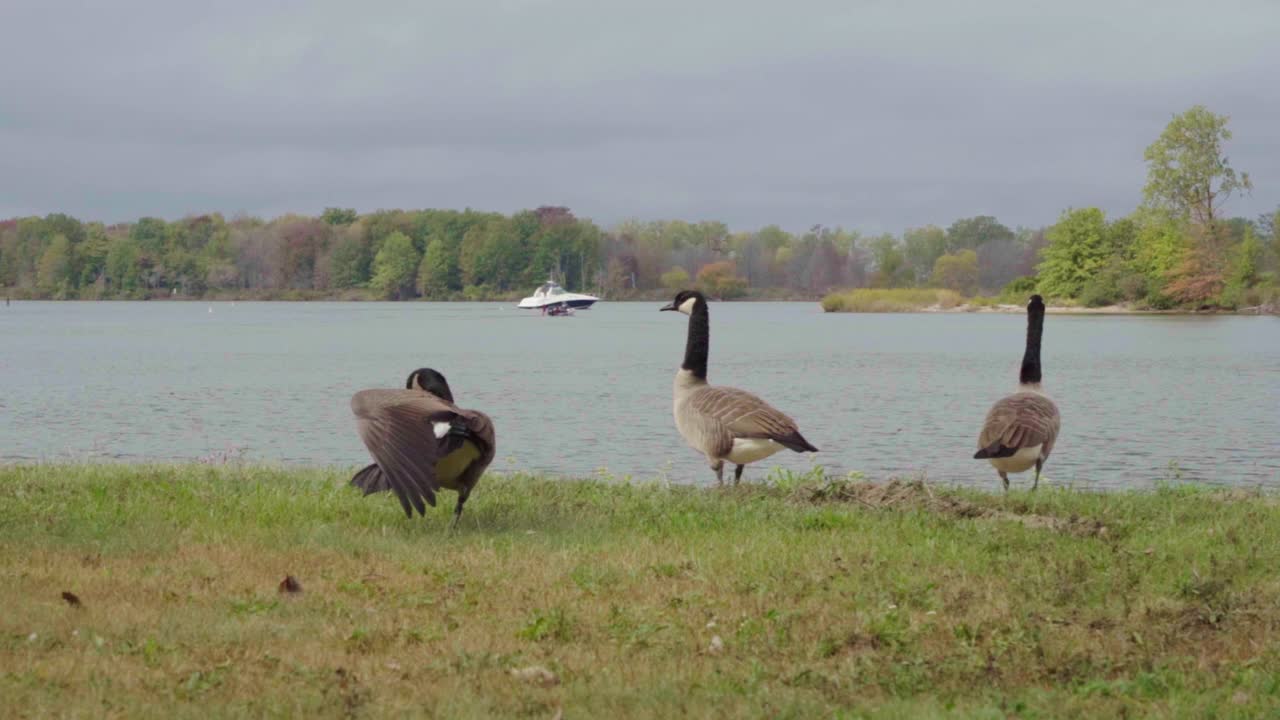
(871, 114)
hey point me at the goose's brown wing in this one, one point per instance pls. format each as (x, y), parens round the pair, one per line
(745, 415)
(1023, 419)
(480, 431)
(398, 428)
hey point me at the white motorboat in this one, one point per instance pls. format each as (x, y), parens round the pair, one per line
(551, 294)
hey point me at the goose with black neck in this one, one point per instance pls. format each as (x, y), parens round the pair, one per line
(723, 423)
(421, 442)
(1020, 429)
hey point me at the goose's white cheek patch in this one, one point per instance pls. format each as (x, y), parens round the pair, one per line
(441, 429)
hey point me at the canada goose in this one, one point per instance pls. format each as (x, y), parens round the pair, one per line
(1021, 428)
(421, 442)
(723, 423)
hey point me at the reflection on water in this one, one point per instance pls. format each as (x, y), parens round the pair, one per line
(882, 394)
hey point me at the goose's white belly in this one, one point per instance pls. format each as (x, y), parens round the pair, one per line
(1022, 460)
(749, 450)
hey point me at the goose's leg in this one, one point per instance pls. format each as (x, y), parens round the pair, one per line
(719, 468)
(1004, 478)
(457, 509)
(737, 474)
(1036, 483)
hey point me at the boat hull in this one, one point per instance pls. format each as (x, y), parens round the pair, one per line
(575, 303)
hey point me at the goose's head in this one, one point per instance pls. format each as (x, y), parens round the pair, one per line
(684, 302)
(429, 380)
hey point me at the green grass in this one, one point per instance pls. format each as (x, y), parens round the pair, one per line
(807, 597)
(886, 300)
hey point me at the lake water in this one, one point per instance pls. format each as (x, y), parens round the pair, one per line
(887, 395)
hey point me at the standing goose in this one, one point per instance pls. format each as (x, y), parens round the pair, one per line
(421, 442)
(1021, 428)
(724, 423)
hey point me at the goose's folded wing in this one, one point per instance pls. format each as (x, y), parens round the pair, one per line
(1018, 421)
(480, 430)
(743, 414)
(404, 433)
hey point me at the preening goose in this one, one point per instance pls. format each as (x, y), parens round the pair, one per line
(421, 442)
(724, 423)
(1021, 428)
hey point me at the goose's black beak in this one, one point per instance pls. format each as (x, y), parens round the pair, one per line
(668, 306)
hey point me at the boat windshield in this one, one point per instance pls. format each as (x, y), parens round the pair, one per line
(549, 289)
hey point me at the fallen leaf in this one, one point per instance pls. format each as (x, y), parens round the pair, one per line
(290, 585)
(537, 675)
(71, 599)
(717, 645)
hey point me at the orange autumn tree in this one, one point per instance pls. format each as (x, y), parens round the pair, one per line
(720, 280)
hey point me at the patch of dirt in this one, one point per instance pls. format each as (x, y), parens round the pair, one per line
(917, 495)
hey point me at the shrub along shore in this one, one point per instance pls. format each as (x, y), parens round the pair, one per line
(194, 590)
(907, 300)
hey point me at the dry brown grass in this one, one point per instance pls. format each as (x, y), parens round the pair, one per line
(601, 600)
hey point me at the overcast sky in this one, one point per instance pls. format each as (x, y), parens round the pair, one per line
(871, 114)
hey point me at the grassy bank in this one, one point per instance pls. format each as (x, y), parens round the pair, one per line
(810, 597)
(905, 300)
(884, 300)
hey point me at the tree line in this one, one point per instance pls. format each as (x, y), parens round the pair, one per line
(1176, 249)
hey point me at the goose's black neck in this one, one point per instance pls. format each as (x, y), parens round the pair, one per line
(1030, 374)
(695, 349)
(430, 381)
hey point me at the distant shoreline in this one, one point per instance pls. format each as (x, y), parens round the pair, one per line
(1104, 310)
(964, 308)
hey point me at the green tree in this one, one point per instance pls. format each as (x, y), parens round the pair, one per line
(347, 262)
(1269, 226)
(972, 233)
(439, 266)
(773, 237)
(150, 234)
(339, 216)
(891, 263)
(1160, 243)
(493, 253)
(395, 267)
(957, 272)
(54, 271)
(677, 278)
(1243, 269)
(8, 264)
(1187, 169)
(922, 247)
(122, 265)
(1077, 249)
(92, 254)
